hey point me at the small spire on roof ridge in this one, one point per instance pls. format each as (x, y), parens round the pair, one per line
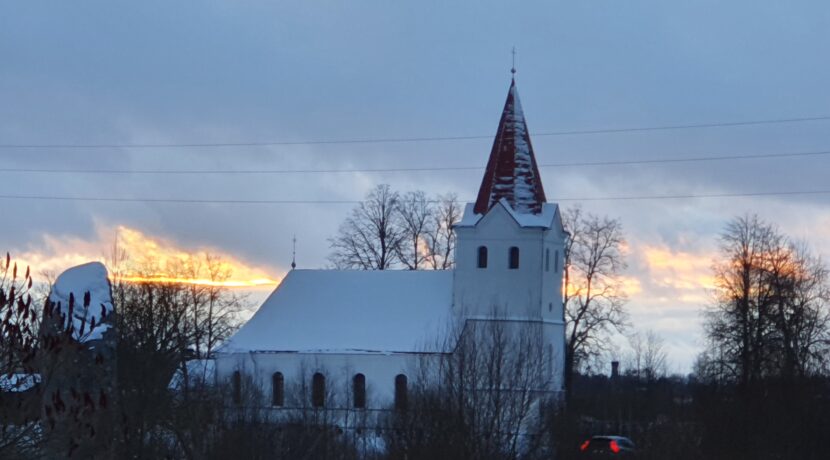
(294, 252)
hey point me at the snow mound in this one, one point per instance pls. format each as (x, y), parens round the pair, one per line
(87, 320)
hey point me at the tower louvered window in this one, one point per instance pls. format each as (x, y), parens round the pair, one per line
(482, 257)
(514, 258)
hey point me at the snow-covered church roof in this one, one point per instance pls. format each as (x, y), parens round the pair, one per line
(351, 311)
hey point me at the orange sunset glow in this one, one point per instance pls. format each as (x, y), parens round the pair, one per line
(160, 261)
(199, 281)
(144, 258)
(678, 269)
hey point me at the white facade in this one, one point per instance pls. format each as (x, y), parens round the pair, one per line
(532, 291)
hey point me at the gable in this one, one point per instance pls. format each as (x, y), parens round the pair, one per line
(548, 218)
(498, 217)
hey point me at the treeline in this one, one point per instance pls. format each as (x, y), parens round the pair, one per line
(763, 378)
(761, 387)
(682, 417)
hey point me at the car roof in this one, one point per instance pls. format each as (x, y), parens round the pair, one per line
(610, 437)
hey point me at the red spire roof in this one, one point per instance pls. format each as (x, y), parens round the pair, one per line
(511, 172)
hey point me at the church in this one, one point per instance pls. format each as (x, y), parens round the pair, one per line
(363, 333)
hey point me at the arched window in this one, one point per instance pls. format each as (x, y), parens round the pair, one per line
(556, 261)
(547, 259)
(359, 391)
(236, 385)
(400, 392)
(277, 389)
(318, 390)
(514, 257)
(482, 257)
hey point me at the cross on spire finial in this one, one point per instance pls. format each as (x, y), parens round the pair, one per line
(513, 68)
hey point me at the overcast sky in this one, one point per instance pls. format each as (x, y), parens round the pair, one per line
(149, 72)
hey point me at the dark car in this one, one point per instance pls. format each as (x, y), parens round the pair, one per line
(608, 446)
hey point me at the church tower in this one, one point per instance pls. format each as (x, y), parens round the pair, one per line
(509, 256)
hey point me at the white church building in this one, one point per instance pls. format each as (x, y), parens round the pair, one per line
(364, 332)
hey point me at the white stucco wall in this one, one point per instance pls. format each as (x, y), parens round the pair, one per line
(531, 292)
(379, 369)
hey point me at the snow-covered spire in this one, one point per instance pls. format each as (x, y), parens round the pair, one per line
(511, 172)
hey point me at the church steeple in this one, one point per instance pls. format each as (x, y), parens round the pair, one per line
(511, 172)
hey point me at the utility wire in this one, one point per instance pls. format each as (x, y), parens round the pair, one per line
(417, 169)
(409, 139)
(306, 202)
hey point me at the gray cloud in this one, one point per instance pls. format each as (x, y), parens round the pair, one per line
(166, 72)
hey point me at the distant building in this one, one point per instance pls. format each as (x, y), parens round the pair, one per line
(364, 332)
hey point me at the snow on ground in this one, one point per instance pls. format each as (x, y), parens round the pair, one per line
(199, 371)
(91, 278)
(18, 382)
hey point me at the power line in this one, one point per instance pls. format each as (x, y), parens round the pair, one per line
(410, 139)
(169, 200)
(417, 169)
(307, 202)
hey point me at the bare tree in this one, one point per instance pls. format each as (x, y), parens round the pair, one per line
(593, 294)
(482, 400)
(20, 435)
(770, 317)
(802, 318)
(648, 359)
(415, 218)
(368, 239)
(388, 231)
(212, 307)
(740, 294)
(161, 325)
(441, 236)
